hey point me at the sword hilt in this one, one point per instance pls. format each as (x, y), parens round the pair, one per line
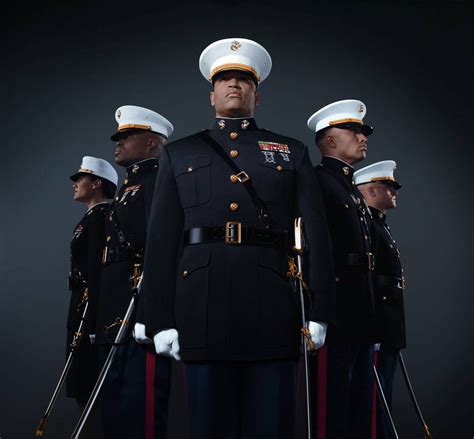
(426, 432)
(307, 337)
(42, 425)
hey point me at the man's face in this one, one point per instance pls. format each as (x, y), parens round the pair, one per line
(235, 95)
(83, 188)
(351, 144)
(386, 196)
(132, 148)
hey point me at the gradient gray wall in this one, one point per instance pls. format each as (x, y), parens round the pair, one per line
(69, 66)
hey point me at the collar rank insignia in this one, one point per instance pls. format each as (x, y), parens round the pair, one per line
(245, 123)
(221, 124)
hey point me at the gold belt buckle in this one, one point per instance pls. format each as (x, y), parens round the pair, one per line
(233, 228)
(242, 176)
(371, 261)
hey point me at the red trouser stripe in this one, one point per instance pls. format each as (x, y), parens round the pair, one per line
(150, 395)
(322, 384)
(374, 401)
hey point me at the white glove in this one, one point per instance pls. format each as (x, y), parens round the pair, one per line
(139, 334)
(92, 338)
(317, 331)
(377, 347)
(166, 343)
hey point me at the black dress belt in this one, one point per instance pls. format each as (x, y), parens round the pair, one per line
(117, 254)
(386, 280)
(234, 233)
(363, 260)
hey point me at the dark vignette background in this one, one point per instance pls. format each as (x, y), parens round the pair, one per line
(69, 65)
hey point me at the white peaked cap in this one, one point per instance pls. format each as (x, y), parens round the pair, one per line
(341, 114)
(97, 167)
(235, 54)
(131, 117)
(377, 172)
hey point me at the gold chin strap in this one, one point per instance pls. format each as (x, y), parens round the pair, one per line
(88, 171)
(337, 122)
(382, 178)
(134, 125)
(235, 66)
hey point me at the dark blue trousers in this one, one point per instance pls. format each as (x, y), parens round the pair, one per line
(350, 381)
(386, 367)
(123, 393)
(242, 400)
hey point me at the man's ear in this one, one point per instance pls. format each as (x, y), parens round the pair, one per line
(257, 98)
(331, 141)
(211, 98)
(97, 184)
(372, 191)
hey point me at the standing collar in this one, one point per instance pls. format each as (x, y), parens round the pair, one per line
(142, 165)
(89, 211)
(338, 166)
(234, 124)
(377, 214)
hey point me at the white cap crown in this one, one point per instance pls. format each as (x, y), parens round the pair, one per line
(380, 171)
(235, 54)
(97, 167)
(133, 117)
(345, 112)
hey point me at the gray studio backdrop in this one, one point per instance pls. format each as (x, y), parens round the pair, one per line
(70, 65)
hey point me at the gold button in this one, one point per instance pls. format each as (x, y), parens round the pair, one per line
(116, 198)
(233, 135)
(190, 169)
(125, 203)
(384, 298)
(109, 238)
(337, 279)
(346, 205)
(279, 168)
(234, 206)
(365, 236)
(234, 153)
(185, 273)
(125, 181)
(234, 178)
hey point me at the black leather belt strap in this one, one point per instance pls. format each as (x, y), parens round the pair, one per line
(386, 280)
(233, 233)
(262, 211)
(364, 260)
(117, 254)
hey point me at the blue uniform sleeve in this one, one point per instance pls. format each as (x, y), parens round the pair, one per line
(318, 258)
(164, 232)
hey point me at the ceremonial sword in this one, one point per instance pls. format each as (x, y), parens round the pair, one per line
(306, 338)
(383, 401)
(426, 430)
(124, 323)
(74, 345)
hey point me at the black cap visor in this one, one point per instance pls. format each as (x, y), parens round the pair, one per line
(366, 130)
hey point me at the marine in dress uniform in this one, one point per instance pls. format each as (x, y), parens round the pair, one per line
(125, 413)
(341, 136)
(379, 187)
(94, 183)
(221, 298)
